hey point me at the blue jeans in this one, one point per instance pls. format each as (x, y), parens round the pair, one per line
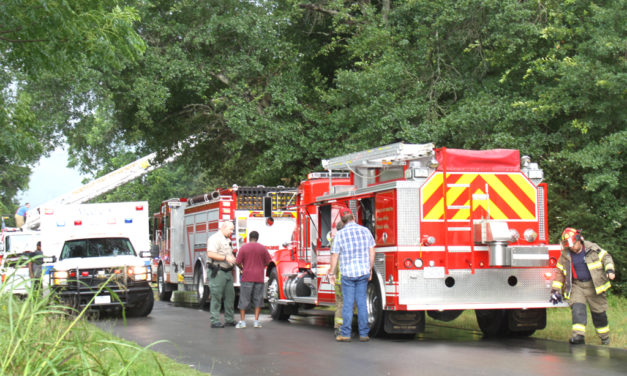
(354, 290)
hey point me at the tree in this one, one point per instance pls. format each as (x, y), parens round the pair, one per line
(44, 44)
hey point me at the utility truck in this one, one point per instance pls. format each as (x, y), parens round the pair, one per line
(454, 230)
(99, 250)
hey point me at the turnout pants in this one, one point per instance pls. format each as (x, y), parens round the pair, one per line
(583, 293)
(221, 288)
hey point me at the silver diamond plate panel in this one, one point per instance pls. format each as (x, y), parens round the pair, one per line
(379, 264)
(485, 286)
(408, 215)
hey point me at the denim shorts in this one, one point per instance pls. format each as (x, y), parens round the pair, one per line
(250, 291)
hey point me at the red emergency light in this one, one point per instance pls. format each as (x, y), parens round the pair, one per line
(78, 222)
(139, 207)
(84, 274)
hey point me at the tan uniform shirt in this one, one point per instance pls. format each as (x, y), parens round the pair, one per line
(220, 244)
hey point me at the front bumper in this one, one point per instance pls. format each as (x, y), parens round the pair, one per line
(106, 298)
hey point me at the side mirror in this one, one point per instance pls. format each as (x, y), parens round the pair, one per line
(145, 254)
(154, 250)
(267, 206)
(50, 259)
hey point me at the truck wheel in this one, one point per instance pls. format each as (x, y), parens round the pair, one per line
(202, 291)
(164, 295)
(375, 313)
(142, 309)
(492, 322)
(445, 316)
(277, 311)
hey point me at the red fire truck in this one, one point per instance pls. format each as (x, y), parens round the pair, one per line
(454, 230)
(183, 225)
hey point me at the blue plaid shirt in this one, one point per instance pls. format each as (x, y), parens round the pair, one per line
(353, 243)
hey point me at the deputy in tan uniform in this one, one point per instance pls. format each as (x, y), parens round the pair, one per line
(586, 271)
(222, 260)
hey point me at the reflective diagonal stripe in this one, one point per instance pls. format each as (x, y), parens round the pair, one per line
(524, 185)
(507, 195)
(603, 287)
(602, 254)
(595, 265)
(579, 328)
(603, 330)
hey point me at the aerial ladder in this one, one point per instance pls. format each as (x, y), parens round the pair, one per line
(100, 186)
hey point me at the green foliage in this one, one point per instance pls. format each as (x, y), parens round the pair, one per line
(49, 50)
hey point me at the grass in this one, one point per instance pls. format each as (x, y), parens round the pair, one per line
(558, 324)
(41, 337)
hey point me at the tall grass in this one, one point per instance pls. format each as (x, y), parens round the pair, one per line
(42, 337)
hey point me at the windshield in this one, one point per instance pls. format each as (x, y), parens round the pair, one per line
(100, 247)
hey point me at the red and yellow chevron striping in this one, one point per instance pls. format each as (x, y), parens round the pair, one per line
(508, 196)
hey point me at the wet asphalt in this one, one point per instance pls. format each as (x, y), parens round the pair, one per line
(305, 345)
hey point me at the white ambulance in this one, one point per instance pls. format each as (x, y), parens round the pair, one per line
(99, 250)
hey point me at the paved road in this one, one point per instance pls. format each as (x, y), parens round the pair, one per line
(305, 346)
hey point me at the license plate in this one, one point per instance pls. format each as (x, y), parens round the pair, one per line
(434, 272)
(102, 299)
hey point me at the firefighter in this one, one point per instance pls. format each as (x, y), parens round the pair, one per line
(586, 271)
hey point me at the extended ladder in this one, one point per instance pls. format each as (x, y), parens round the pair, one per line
(377, 157)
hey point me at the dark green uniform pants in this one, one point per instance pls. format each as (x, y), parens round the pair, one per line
(221, 287)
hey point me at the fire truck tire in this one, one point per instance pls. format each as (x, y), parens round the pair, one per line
(277, 311)
(202, 291)
(445, 316)
(142, 309)
(492, 322)
(164, 293)
(375, 313)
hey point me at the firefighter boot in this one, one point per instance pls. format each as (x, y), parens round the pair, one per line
(605, 341)
(577, 339)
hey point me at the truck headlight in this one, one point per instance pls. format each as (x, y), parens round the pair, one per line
(138, 273)
(59, 278)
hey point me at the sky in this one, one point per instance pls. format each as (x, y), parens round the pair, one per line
(50, 178)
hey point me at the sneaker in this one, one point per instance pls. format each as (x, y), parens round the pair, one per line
(256, 324)
(341, 338)
(577, 340)
(240, 325)
(605, 341)
(364, 339)
(217, 325)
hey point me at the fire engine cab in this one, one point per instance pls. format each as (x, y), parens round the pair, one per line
(183, 225)
(454, 230)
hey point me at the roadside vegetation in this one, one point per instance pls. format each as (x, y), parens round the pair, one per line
(558, 324)
(41, 337)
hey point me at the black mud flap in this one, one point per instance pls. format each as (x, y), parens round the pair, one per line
(522, 320)
(403, 322)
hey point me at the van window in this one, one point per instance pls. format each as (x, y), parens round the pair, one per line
(98, 247)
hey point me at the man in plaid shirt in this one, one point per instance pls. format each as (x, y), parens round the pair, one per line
(354, 247)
